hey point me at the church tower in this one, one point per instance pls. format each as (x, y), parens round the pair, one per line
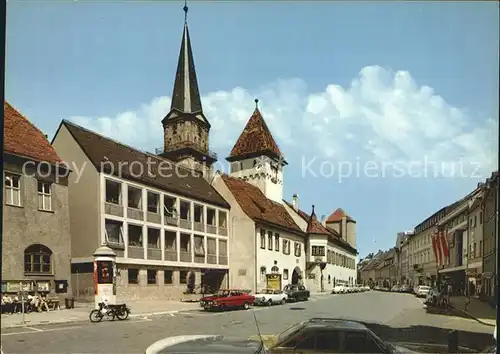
(257, 159)
(185, 128)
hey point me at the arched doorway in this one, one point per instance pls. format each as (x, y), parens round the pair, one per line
(296, 276)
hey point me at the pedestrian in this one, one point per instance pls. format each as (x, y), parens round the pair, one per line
(448, 294)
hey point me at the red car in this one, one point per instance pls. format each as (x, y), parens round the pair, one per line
(228, 299)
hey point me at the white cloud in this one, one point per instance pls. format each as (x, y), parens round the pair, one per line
(382, 116)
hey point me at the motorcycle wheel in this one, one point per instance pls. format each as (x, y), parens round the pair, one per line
(122, 314)
(95, 316)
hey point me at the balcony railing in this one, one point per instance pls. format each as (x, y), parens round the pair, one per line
(154, 253)
(136, 252)
(113, 209)
(186, 144)
(171, 255)
(185, 256)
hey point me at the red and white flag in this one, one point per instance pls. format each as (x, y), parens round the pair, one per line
(444, 245)
(439, 258)
(434, 245)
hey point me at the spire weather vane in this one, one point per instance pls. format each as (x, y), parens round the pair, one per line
(185, 8)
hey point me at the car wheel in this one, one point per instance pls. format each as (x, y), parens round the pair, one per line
(270, 302)
(246, 306)
(283, 301)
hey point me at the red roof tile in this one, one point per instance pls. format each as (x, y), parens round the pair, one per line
(259, 208)
(24, 139)
(337, 215)
(256, 139)
(315, 227)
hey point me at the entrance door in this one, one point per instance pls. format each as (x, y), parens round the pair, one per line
(274, 281)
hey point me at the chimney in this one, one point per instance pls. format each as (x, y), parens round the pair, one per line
(295, 202)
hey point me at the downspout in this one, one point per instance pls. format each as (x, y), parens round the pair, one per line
(256, 268)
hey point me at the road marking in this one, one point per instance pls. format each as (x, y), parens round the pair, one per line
(40, 331)
(35, 329)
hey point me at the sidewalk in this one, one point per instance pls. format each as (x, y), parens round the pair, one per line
(477, 309)
(82, 310)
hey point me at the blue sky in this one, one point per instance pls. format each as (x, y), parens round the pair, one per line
(345, 83)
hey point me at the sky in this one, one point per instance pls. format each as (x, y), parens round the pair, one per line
(388, 110)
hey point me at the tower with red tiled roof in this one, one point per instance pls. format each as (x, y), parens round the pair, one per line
(256, 158)
(186, 129)
(344, 225)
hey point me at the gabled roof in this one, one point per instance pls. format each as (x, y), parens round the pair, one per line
(337, 215)
(108, 156)
(259, 208)
(22, 138)
(315, 227)
(255, 140)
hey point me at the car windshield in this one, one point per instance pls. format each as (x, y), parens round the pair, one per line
(222, 293)
(266, 291)
(425, 288)
(288, 332)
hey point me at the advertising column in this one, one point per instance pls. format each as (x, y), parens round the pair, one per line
(104, 276)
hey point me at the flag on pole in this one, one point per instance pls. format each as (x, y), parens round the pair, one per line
(434, 245)
(439, 259)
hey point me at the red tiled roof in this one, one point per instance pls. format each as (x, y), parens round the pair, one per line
(337, 215)
(24, 139)
(259, 208)
(256, 139)
(315, 227)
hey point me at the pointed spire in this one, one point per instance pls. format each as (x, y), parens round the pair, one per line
(256, 104)
(186, 95)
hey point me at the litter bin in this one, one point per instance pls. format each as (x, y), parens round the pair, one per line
(70, 303)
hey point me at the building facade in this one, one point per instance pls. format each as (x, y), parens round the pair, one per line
(331, 260)
(489, 286)
(278, 244)
(37, 242)
(167, 224)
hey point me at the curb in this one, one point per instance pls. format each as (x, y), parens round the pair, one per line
(472, 317)
(79, 320)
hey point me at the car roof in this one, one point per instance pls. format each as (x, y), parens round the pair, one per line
(337, 323)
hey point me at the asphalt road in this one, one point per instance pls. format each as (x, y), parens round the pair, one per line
(389, 311)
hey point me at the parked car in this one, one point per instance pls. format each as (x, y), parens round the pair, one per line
(422, 290)
(206, 344)
(227, 299)
(405, 289)
(320, 335)
(296, 292)
(339, 289)
(270, 297)
(395, 288)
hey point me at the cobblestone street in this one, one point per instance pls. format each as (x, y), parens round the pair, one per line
(389, 311)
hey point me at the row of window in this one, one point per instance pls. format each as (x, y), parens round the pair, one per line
(152, 238)
(273, 243)
(172, 206)
(152, 276)
(13, 193)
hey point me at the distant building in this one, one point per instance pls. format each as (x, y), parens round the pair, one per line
(37, 241)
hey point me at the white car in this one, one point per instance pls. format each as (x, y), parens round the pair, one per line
(422, 290)
(339, 289)
(270, 297)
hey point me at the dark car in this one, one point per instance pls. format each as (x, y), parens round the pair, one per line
(205, 344)
(320, 335)
(296, 292)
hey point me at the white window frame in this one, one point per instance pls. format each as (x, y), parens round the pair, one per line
(120, 235)
(45, 197)
(12, 189)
